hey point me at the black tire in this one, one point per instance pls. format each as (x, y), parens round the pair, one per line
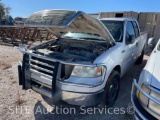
(140, 59)
(111, 89)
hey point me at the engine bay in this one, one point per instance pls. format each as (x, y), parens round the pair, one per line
(72, 50)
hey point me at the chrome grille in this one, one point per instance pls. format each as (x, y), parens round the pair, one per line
(43, 73)
(41, 66)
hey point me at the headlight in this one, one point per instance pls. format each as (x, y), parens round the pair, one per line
(148, 102)
(143, 99)
(83, 71)
(152, 105)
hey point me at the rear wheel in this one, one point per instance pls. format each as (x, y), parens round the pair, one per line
(140, 59)
(111, 89)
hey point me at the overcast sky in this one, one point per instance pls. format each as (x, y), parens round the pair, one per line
(25, 8)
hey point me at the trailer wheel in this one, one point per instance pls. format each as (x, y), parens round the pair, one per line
(111, 89)
(140, 59)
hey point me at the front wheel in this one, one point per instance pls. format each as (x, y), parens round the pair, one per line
(111, 89)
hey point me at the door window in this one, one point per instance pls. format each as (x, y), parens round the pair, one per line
(136, 29)
(129, 31)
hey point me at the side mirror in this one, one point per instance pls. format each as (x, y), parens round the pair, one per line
(151, 42)
(131, 39)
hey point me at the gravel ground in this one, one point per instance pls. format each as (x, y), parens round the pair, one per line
(17, 104)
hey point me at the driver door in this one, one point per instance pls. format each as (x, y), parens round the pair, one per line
(129, 51)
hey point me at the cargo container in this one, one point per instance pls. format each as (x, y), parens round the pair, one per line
(157, 27)
(119, 14)
(95, 15)
(147, 22)
(150, 22)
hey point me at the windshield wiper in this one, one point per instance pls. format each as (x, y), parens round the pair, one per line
(69, 37)
(100, 39)
(83, 38)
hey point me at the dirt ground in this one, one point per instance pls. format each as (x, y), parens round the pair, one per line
(17, 104)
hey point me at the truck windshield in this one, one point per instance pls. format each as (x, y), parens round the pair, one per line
(115, 28)
(83, 36)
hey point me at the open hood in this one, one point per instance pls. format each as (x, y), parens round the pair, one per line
(63, 21)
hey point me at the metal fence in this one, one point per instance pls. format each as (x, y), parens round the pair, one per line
(16, 35)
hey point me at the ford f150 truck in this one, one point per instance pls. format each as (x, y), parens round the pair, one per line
(146, 93)
(83, 66)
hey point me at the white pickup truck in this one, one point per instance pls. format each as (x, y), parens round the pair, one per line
(146, 93)
(83, 66)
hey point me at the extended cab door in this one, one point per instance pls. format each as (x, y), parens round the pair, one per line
(138, 44)
(129, 50)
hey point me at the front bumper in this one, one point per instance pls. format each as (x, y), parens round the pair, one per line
(140, 112)
(57, 93)
(44, 80)
(81, 99)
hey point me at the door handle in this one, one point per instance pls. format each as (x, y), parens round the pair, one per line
(123, 51)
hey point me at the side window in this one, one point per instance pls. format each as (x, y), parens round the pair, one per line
(136, 29)
(129, 31)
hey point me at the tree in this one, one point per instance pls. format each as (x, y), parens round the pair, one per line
(4, 10)
(7, 10)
